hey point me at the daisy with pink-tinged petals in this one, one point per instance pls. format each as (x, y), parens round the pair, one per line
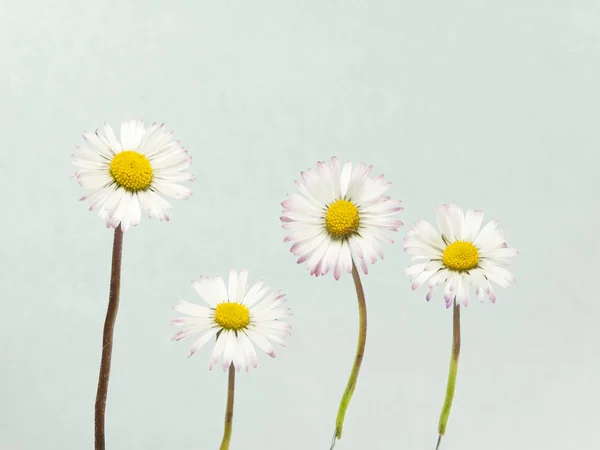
(338, 221)
(238, 318)
(460, 255)
(340, 215)
(125, 178)
(128, 177)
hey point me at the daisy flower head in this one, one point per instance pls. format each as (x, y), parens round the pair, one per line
(460, 254)
(237, 316)
(341, 213)
(129, 176)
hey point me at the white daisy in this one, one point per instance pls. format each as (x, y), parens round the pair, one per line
(237, 316)
(341, 214)
(459, 255)
(129, 177)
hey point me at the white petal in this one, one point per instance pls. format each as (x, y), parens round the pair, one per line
(221, 289)
(314, 261)
(217, 350)
(242, 285)
(202, 340)
(458, 222)
(300, 204)
(93, 155)
(239, 355)
(485, 231)
(491, 240)
(207, 289)
(230, 348)
(501, 252)
(135, 211)
(128, 135)
(248, 349)
(262, 342)
(120, 211)
(346, 257)
(345, 178)
(192, 309)
(111, 205)
(473, 221)
(97, 145)
(251, 296)
(316, 187)
(438, 278)
(171, 189)
(443, 223)
(325, 172)
(148, 143)
(100, 197)
(94, 179)
(306, 247)
(124, 211)
(111, 138)
(331, 256)
(89, 164)
(422, 278)
(232, 286)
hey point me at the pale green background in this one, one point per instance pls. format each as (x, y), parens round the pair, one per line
(493, 105)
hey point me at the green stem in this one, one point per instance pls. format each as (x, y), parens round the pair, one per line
(360, 351)
(107, 340)
(451, 375)
(229, 410)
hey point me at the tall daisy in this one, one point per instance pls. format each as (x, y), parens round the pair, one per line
(339, 219)
(459, 255)
(237, 318)
(123, 179)
(127, 177)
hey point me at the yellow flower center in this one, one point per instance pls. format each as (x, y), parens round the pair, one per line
(342, 219)
(461, 256)
(232, 316)
(131, 170)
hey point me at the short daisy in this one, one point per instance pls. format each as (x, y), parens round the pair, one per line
(340, 214)
(127, 177)
(459, 255)
(237, 317)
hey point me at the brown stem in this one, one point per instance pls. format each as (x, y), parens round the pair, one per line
(107, 339)
(229, 410)
(456, 332)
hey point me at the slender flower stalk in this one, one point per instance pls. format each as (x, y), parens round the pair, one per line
(240, 317)
(229, 410)
(462, 256)
(107, 339)
(451, 374)
(338, 222)
(125, 178)
(360, 351)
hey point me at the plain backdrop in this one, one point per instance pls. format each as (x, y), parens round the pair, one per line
(491, 105)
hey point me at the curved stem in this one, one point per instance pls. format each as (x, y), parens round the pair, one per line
(229, 410)
(451, 375)
(107, 339)
(360, 351)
